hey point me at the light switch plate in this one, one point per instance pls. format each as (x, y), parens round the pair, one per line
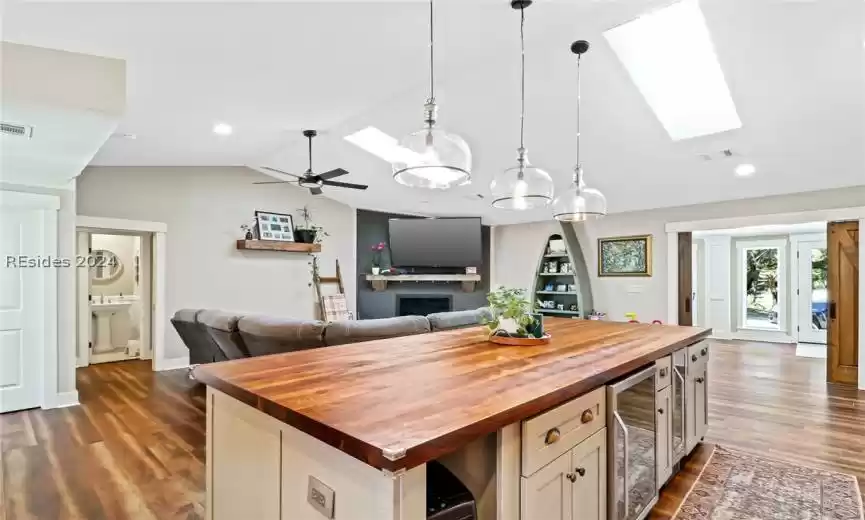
(320, 497)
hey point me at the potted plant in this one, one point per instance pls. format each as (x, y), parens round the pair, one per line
(377, 250)
(511, 314)
(309, 233)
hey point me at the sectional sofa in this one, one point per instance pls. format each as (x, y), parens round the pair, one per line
(213, 335)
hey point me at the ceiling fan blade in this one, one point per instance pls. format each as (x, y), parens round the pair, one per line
(332, 174)
(274, 182)
(315, 191)
(280, 171)
(345, 185)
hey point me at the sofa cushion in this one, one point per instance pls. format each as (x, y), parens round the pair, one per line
(458, 319)
(222, 327)
(265, 335)
(355, 331)
(202, 347)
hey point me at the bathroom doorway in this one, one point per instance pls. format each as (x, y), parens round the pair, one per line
(114, 296)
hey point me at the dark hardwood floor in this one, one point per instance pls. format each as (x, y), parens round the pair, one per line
(135, 449)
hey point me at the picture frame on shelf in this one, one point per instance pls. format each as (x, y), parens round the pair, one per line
(572, 287)
(625, 256)
(557, 246)
(562, 287)
(549, 287)
(274, 226)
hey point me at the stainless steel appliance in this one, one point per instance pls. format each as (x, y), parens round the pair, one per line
(632, 446)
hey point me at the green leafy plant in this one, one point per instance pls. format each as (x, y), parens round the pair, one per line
(511, 304)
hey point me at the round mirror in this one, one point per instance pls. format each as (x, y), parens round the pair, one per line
(106, 266)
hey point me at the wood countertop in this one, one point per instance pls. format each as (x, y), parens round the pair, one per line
(401, 402)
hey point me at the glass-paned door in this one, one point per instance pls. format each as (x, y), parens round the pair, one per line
(812, 301)
(762, 305)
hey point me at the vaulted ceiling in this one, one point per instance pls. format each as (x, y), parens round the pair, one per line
(795, 69)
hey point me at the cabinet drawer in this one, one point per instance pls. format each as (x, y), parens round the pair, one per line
(552, 433)
(698, 352)
(663, 372)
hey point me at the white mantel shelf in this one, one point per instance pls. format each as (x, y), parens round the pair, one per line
(379, 281)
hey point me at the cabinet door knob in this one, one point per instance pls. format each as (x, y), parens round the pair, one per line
(552, 436)
(694, 358)
(699, 380)
(587, 417)
(581, 472)
(704, 352)
(661, 411)
(571, 477)
(663, 372)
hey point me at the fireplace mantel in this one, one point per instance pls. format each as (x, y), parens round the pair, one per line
(379, 281)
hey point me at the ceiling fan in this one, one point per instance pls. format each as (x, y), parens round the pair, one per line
(311, 180)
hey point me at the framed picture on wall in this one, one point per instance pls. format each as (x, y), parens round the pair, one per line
(274, 226)
(625, 256)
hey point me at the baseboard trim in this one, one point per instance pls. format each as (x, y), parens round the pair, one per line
(163, 365)
(62, 400)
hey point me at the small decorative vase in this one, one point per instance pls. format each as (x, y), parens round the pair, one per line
(536, 329)
(376, 270)
(249, 235)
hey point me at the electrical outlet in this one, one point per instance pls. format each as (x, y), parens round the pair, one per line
(320, 497)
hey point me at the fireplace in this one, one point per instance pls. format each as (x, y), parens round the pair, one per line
(419, 305)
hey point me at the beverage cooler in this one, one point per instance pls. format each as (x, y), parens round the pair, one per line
(632, 446)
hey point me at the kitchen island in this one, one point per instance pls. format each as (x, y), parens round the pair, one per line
(346, 432)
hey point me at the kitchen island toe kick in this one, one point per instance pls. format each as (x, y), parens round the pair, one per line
(348, 432)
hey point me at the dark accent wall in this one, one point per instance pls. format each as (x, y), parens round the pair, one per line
(372, 229)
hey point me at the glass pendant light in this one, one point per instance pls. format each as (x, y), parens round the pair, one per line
(523, 186)
(432, 158)
(579, 203)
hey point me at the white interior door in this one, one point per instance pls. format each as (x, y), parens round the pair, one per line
(811, 302)
(27, 239)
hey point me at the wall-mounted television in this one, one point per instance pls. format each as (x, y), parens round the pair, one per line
(435, 242)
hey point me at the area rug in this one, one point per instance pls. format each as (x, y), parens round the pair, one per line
(740, 486)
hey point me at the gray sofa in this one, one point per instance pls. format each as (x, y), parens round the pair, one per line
(213, 335)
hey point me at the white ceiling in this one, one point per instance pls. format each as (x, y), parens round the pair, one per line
(796, 71)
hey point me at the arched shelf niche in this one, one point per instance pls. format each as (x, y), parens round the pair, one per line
(562, 286)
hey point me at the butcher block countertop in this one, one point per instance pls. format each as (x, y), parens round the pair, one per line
(401, 402)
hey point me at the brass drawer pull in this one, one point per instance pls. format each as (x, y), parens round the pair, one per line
(663, 372)
(694, 358)
(571, 477)
(587, 417)
(552, 436)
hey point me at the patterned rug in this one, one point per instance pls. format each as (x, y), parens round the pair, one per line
(740, 486)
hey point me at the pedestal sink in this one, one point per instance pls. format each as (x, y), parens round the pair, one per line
(103, 312)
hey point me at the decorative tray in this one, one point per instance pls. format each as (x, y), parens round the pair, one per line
(520, 342)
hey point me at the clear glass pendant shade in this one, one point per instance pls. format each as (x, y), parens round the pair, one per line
(579, 203)
(433, 159)
(522, 187)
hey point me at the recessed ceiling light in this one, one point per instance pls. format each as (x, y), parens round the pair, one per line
(745, 170)
(670, 57)
(222, 129)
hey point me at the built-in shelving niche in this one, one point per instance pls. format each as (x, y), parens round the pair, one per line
(567, 288)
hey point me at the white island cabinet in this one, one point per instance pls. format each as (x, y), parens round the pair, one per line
(354, 432)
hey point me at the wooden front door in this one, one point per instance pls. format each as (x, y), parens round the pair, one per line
(843, 326)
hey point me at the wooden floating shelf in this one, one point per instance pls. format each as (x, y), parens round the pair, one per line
(276, 245)
(555, 274)
(558, 292)
(556, 255)
(379, 281)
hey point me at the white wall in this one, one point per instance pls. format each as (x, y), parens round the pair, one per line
(517, 247)
(203, 209)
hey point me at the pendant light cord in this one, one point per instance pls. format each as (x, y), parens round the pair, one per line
(522, 74)
(432, 82)
(579, 104)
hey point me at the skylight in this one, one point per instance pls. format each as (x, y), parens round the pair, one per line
(380, 144)
(670, 56)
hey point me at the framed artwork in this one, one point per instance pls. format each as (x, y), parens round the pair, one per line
(625, 256)
(274, 226)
